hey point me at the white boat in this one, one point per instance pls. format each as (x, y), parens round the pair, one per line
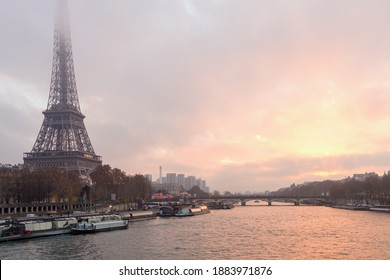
(199, 209)
(219, 205)
(93, 224)
(166, 211)
(183, 212)
(380, 209)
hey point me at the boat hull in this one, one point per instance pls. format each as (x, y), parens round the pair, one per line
(200, 210)
(183, 212)
(27, 229)
(166, 211)
(35, 235)
(99, 227)
(139, 216)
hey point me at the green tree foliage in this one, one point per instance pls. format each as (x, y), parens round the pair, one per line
(107, 181)
(8, 185)
(139, 188)
(53, 185)
(69, 188)
(216, 193)
(38, 186)
(195, 191)
(373, 190)
(102, 181)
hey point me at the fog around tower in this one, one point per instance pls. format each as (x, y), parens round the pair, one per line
(248, 95)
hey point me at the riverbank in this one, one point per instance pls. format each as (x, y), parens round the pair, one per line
(50, 209)
(287, 233)
(360, 207)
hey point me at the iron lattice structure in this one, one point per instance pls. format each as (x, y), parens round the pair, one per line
(63, 140)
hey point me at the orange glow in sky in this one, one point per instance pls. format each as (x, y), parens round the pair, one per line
(248, 95)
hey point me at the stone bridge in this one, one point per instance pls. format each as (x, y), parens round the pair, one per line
(243, 199)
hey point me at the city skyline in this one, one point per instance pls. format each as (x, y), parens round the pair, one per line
(252, 96)
(180, 179)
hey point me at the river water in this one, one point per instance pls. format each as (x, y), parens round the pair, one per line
(263, 232)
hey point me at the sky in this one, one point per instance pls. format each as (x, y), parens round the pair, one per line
(248, 95)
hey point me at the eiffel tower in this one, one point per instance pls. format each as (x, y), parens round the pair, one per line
(63, 140)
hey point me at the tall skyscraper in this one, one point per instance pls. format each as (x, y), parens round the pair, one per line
(180, 179)
(171, 178)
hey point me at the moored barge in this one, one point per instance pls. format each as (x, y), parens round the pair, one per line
(101, 223)
(25, 229)
(138, 216)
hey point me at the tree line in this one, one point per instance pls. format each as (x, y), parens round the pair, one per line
(107, 181)
(373, 190)
(53, 185)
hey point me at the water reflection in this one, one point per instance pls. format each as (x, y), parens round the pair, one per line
(295, 232)
(265, 203)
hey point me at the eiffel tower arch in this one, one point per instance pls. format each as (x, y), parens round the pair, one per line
(63, 141)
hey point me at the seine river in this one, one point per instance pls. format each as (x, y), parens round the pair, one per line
(263, 232)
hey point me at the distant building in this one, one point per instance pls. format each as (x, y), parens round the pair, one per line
(171, 178)
(180, 179)
(160, 177)
(364, 177)
(198, 182)
(148, 177)
(160, 196)
(189, 182)
(174, 183)
(172, 189)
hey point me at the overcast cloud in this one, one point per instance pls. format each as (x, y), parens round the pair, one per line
(248, 95)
